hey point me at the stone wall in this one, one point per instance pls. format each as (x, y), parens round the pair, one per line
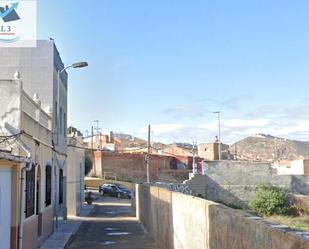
(178, 221)
(235, 183)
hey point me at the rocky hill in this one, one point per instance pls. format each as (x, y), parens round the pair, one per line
(129, 141)
(263, 147)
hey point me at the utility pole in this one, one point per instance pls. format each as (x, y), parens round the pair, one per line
(97, 128)
(92, 153)
(194, 168)
(219, 133)
(98, 134)
(91, 138)
(148, 154)
(100, 140)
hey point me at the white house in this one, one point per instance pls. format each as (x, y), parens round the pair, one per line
(76, 174)
(27, 182)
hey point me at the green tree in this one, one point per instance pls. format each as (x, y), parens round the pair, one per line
(72, 129)
(270, 200)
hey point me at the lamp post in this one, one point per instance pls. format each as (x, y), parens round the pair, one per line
(219, 133)
(74, 65)
(148, 155)
(194, 166)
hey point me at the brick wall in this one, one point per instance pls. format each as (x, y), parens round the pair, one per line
(132, 167)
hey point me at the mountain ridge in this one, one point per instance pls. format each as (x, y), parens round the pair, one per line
(265, 147)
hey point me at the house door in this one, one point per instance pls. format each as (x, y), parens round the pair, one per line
(5, 208)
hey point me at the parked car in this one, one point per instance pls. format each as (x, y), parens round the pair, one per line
(114, 190)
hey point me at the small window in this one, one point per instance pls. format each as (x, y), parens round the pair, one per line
(60, 186)
(30, 192)
(48, 186)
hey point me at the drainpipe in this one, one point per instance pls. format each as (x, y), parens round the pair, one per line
(25, 167)
(22, 204)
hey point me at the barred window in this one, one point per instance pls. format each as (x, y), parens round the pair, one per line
(60, 186)
(30, 192)
(48, 186)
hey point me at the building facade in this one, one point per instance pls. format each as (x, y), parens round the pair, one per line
(75, 178)
(27, 182)
(210, 151)
(40, 68)
(100, 141)
(294, 167)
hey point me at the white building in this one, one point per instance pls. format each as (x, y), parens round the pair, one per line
(76, 174)
(27, 183)
(100, 142)
(40, 69)
(295, 167)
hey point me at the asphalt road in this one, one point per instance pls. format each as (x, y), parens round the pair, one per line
(111, 225)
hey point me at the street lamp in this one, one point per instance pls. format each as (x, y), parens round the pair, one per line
(74, 65)
(219, 133)
(79, 64)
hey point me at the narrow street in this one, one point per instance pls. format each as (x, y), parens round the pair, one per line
(111, 225)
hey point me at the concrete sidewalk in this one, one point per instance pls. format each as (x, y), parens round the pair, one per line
(67, 229)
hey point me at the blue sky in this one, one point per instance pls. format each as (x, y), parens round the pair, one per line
(172, 62)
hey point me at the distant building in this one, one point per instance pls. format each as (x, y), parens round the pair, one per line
(177, 150)
(183, 155)
(100, 142)
(75, 179)
(294, 167)
(210, 151)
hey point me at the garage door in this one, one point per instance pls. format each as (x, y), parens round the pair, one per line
(5, 208)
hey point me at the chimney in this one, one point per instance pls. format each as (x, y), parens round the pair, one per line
(111, 137)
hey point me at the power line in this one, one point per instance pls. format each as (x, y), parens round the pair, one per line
(5, 139)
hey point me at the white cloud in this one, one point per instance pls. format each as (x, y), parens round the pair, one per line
(244, 123)
(162, 129)
(232, 130)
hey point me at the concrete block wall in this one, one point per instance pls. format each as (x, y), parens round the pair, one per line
(235, 183)
(190, 222)
(156, 214)
(198, 185)
(178, 221)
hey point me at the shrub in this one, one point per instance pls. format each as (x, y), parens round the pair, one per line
(270, 200)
